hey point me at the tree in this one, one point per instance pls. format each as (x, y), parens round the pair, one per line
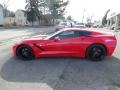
(43, 6)
(32, 8)
(57, 8)
(31, 17)
(104, 19)
(69, 18)
(5, 7)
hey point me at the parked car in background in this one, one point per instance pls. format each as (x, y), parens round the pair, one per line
(95, 26)
(62, 25)
(112, 27)
(79, 25)
(100, 26)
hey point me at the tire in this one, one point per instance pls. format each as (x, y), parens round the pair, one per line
(25, 52)
(96, 52)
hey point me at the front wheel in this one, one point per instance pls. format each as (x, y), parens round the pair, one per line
(25, 52)
(96, 52)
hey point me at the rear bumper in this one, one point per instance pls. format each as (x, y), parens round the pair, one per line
(111, 48)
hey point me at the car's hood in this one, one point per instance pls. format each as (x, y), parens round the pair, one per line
(37, 37)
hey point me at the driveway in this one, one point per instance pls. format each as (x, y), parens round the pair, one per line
(58, 73)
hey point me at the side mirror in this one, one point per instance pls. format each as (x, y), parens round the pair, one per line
(56, 39)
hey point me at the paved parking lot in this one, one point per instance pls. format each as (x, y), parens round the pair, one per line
(58, 73)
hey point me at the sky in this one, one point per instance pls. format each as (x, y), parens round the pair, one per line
(91, 8)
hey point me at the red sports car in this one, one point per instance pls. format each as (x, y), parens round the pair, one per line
(72, 42)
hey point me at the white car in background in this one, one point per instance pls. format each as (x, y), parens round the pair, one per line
(79, 25)
(112, 27)
(63, 25)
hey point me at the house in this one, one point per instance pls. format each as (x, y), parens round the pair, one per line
(20, 18)
(113, 20)
(9, 21)
(1, 15)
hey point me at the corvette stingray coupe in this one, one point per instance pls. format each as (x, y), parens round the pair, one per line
(72, 42)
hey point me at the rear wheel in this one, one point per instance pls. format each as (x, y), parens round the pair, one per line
(96, 52)
(25, 52)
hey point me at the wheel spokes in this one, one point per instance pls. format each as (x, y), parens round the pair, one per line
(25, 52)
(97, 52)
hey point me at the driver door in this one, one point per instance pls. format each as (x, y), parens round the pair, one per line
(61, 44)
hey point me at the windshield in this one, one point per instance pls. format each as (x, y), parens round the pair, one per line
(51, 35)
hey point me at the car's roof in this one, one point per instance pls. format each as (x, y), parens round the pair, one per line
(81, 29)
(86, 29)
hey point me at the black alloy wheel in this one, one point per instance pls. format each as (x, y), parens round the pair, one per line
(96, 52)
(25, 52)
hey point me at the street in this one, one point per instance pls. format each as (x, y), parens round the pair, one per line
(55, 73)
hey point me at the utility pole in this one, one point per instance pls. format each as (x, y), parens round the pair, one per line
(83, 15)
(91, 18)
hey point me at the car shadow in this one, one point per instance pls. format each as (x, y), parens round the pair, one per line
(51, 70)
(45, 70)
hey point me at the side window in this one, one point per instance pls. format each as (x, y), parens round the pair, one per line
(71, 34)
(84, 33)
(68, 34)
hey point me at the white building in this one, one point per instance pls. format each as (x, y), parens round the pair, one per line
(1, 15)
(20, 18)
(9, 21)
(113, 20)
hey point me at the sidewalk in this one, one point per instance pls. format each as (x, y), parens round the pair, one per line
(5, 35)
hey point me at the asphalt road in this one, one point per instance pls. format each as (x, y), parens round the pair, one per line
(55, 73)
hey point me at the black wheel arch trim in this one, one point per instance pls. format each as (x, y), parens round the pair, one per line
(23, 45)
